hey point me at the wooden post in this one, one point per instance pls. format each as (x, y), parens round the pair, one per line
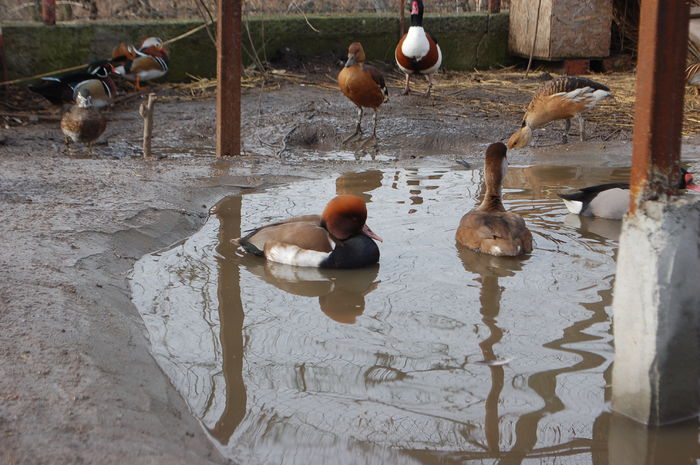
(146, 112)
(402, 16)
(48, 12)
(658, 113)
(494, 6)
(228, 71)
(3, 60)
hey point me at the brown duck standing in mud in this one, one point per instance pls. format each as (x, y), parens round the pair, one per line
(83, 123)
(363, 84)
(490, 228)
(560, 98)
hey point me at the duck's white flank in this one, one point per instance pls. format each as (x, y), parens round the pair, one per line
(293, 255)
(574, 206)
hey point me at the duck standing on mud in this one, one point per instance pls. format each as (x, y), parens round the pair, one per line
(150, 61)
(64, 89)
(560, 98)
(83, 123)
(363, 84)
(417, 52)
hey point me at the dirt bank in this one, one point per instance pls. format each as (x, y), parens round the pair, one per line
(77, 383)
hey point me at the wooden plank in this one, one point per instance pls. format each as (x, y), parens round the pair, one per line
(228, 71)
(567, 28)
(48, 12)
(658, 112)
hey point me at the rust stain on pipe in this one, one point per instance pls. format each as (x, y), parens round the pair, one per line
(228, 71)
(658, 114)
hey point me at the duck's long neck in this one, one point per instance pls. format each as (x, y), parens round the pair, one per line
(492, 202)
(417, 20)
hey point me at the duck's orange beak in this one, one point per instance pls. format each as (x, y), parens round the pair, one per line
(369, 233)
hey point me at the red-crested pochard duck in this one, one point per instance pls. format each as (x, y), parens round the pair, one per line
(612, 200)
(560, 98)
(339, 238)
(418, 52)
(150, 61)
(490, 228)
(83, 123)
(363, 84)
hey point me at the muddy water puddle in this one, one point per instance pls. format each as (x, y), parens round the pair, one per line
(436, 355)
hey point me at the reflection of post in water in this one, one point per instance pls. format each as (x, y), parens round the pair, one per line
(490, 299)
(231, 320)
(490, 269)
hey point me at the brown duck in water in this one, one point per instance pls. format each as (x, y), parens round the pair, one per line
(490, 228)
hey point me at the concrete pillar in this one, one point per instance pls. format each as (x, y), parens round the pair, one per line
(657, 313)
(630, 443)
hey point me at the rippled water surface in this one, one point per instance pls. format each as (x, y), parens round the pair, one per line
(437, 355)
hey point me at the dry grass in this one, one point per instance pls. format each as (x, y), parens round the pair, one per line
(460, 94)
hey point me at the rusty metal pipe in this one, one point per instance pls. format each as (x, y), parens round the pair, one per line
(658, 113)
(228, 72)
(48, 12)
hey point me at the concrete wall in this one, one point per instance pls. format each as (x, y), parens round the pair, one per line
(468, 41)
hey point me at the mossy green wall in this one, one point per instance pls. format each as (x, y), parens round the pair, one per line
(467, 41)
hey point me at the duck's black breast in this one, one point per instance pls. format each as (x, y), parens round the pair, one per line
(356, 252)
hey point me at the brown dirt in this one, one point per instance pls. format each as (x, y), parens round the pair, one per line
(77, 382)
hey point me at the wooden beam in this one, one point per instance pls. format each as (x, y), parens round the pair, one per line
(494, 6)
(658, 114)
(48, 12)
(228, 71)
(402, 16)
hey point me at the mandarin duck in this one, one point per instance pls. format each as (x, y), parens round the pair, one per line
(64, 89)
(149, 62)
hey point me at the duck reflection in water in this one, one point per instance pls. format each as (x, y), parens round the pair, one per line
(341, 293)
(490, 268)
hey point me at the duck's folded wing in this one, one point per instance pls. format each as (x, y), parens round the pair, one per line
(308, 235)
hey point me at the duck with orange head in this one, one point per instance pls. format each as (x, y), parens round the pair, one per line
(490, 228)
(338, 238)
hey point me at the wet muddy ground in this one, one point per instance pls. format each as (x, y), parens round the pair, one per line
(79, 383)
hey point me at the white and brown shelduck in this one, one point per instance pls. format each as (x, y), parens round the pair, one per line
(363, 84)
(489, 228)
(560, 98)
(417, 52)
